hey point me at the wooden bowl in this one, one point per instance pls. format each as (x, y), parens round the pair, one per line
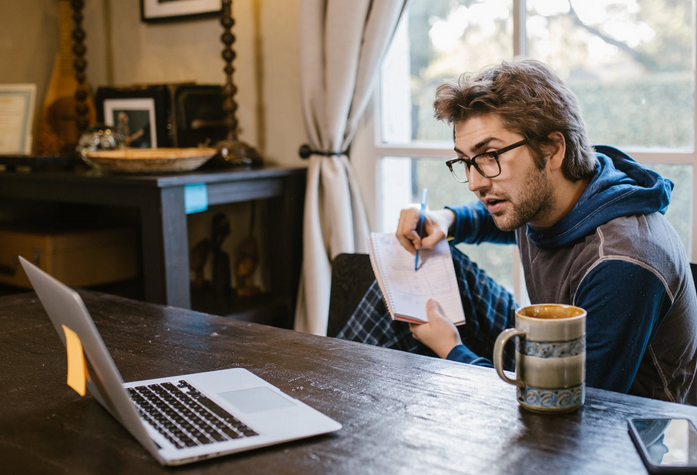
(150, 160)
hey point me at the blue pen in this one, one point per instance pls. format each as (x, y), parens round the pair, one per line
(420, 225)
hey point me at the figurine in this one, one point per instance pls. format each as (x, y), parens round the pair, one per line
(220, 229)
(197, 261)
(245, 264)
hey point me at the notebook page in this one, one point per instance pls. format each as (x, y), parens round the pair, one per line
(406, 290)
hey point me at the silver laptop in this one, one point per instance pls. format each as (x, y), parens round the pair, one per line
(185, 418)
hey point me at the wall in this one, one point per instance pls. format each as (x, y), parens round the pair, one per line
(266, 66)
(29, 43)
(122, 50)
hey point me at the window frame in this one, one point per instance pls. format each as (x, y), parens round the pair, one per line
(368, 149)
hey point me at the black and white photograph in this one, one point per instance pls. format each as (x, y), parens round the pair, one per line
(133, 120)
(139, 114)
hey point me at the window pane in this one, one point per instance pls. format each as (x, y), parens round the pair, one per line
(630, 62)
(680, 210)
(440, 39)
(403, 178)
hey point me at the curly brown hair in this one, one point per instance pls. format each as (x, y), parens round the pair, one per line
(531, 100)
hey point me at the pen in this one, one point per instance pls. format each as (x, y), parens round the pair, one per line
(420, 225)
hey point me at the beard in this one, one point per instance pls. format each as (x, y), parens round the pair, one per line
(534, 203)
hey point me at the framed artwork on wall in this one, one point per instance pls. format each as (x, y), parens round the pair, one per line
(16, 115)
(141, 115)
(168, 10)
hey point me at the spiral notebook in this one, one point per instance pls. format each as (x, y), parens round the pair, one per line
(406, 290)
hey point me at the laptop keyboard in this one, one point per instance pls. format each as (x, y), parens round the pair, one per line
(185, 416)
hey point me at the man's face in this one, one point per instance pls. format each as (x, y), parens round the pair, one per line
(522, 193)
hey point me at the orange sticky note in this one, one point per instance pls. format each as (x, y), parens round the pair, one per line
(77, 368)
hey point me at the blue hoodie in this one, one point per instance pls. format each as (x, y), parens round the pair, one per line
(616, 256)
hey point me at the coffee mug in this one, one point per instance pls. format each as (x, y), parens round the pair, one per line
(550, 357)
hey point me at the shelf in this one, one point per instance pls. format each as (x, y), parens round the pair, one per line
(262, 308)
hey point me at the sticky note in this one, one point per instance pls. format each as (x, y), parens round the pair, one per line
(77, 368)
(195, 198)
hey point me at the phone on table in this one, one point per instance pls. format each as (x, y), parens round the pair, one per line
(666, 445)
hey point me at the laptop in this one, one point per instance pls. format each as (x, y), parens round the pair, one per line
(186, 418)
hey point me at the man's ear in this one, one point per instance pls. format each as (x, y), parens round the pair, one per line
(556, 150)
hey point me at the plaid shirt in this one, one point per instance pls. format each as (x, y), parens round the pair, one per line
(489, 309)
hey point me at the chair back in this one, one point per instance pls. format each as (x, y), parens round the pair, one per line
(352, 275)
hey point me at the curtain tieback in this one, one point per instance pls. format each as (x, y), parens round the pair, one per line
(305, 151)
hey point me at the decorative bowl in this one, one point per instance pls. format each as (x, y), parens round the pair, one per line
(150, 160)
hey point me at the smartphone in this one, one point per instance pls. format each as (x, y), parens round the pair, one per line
(665, 445)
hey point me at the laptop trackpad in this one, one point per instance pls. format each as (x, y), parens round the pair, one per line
(256, 400)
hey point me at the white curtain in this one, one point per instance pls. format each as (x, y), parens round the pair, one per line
(342, 43)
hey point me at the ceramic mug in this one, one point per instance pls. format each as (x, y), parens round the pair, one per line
(550, 357)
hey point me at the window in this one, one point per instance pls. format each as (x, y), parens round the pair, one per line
(630, 62)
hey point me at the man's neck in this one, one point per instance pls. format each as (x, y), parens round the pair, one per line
(566, 197)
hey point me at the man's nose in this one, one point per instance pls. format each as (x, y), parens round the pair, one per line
(477, 181)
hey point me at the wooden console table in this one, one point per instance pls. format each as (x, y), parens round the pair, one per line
(160, 200)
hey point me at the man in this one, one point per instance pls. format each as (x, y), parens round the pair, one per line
(590, 228)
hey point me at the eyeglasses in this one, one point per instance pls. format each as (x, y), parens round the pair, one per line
(487, 163)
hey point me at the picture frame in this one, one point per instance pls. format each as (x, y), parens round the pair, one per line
(169, 10)
(198, 114)
(140, 114)
(16, 118)
(134, 120)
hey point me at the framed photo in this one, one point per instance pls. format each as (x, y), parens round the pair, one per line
(16, 115)
(139, 114)
(134, 120)
(199, 118)
(168, 10)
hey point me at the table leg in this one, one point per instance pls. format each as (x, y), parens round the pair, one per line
(165, 248)
(284, 243)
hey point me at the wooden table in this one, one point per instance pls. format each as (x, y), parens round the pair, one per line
(401, 413)
(160, 202)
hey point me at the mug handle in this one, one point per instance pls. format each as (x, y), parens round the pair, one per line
(501, 341)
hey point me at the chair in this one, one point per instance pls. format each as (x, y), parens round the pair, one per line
(352, 275)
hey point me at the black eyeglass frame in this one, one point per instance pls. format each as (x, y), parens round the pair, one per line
(469, 162)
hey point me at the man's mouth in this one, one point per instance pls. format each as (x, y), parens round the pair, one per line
(493, 205)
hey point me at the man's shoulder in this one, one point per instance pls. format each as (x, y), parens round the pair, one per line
(644, 236)
(647, 241)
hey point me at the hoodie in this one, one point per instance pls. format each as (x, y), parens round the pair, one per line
(616, 256)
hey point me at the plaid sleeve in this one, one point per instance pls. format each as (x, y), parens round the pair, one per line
(489, 308)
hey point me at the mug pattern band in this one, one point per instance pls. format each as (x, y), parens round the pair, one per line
(546, 399)
(551, 349)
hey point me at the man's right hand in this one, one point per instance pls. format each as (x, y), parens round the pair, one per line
(436, 225)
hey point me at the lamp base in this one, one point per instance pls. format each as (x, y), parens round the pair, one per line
(235, 153)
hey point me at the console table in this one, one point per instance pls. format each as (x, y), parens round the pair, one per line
(160, 201)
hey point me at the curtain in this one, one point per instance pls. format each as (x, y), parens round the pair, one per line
(342, 43)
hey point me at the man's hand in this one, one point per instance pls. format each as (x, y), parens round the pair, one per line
(436, 225)
(439, 333)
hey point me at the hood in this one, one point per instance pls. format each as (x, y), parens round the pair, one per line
(620, 187)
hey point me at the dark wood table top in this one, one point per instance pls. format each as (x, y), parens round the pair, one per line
(401, 413)
(86, 176)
